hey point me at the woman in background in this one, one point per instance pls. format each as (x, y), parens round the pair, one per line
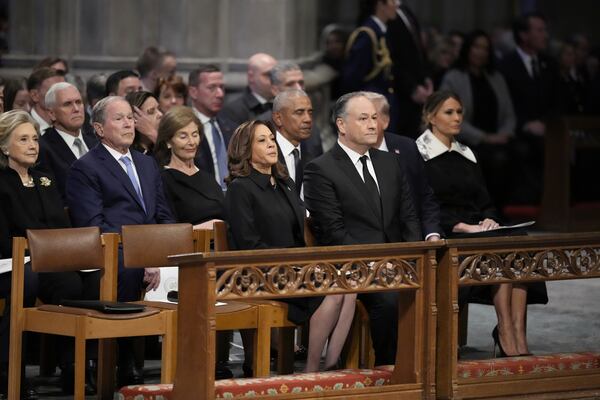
(146, 116)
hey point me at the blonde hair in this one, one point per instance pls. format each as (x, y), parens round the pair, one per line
(9, 121)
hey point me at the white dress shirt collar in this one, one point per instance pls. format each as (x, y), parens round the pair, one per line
(380, 24)
(287, 148)
(430, 147)
(117, 155)
(41, 121)
(526, 58)
(383, 146)
(70, 140)
(258, 97)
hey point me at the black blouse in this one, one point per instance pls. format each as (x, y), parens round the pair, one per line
(22, 208)
(194, 198)
(460, 190)
(485, 104)
(262, 215)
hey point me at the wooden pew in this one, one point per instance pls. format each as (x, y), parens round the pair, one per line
(408, 268)
(558, 211)
(513, 259)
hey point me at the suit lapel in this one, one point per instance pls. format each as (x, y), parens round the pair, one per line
(89, 139)
(385, 185)
(119, 173)
(61, 147)
(345, 164)
(294, 200)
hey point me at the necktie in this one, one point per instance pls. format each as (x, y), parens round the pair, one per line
(371, 185)
(220, 152)
(298, 168)
(129, 167)
(80, 148)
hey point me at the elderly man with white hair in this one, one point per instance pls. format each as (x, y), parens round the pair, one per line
(64, 142)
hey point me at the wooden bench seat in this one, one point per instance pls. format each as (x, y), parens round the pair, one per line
(408, 268)
(521, 259)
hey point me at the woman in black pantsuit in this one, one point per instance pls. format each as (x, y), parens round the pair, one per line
(31, 200)
(264, 211)
(466, 210)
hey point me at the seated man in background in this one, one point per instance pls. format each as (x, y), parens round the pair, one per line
(38, 84)
(123, 82)
(256, 97)
(65, 141)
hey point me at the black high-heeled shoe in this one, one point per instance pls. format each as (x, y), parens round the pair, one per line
(497, 343)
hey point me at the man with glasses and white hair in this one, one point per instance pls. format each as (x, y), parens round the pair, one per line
(64, 142)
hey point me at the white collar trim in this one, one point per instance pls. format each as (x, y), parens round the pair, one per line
(430, 147)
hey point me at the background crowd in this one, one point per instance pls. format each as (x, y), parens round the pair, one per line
(435, 134)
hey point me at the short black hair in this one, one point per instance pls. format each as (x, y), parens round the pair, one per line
(522, 24)
(194, 78)
(339, 109)
(40, 75)
(112, 82)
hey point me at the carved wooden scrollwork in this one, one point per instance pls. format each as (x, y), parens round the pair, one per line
(526, 265)
(317, 277)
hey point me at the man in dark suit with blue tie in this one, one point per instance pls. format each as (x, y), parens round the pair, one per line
(65, 141)
(207, 92)
(112, 186)
(406, 149)
(357, 194)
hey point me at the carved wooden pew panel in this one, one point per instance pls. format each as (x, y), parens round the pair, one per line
(512, 259)
(274, 274)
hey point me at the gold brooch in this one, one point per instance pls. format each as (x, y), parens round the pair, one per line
(45, 181)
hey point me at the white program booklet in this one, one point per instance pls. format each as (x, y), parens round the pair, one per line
(6, 264)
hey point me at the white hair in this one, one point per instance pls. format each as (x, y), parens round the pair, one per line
(50, 98)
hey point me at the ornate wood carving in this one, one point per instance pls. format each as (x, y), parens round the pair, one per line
(548, 264)
(317, 278)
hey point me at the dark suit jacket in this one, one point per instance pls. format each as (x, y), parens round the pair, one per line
(16, 218)
(427, 207)
(410, 68)
(307, 153)
(204, 159)
(56, 157)
(252, 223)
(343, 212)
(408, 56)
(243, 108)
(99, 192)
(532, 99)
(194, 199)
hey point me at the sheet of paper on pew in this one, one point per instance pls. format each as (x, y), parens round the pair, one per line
(521, 225)
(169, 278)
(6, 264)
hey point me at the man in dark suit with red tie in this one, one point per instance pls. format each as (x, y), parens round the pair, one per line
(357, 194)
